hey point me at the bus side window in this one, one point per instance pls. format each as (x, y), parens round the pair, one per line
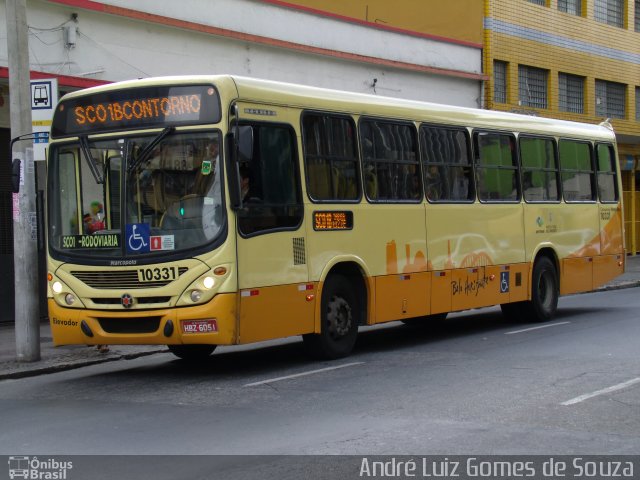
(577, 171)
(607, 182)
(390, 161)
(497, 167)
(330, 157)
(539, 169)
(446, 163)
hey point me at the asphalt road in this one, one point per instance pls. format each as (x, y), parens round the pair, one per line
(475, 384)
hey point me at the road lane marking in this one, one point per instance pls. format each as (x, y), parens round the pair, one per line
(303, 374)
(613, 388)
(536, 328)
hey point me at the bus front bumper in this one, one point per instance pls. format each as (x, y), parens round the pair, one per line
(213, 323)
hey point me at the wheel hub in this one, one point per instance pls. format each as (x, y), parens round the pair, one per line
(339, 317)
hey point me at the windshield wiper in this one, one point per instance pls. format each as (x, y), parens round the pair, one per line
(98, 175)
(148, 150)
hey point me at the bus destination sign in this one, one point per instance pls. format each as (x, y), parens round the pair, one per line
(136, 108)
(323, 221)
(110, 240)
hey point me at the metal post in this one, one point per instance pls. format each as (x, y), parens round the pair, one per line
(27, 315)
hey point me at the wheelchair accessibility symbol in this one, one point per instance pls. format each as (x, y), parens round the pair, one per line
(504, 282)
(138, 237)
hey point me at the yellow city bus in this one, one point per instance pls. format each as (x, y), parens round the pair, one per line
(221, 210)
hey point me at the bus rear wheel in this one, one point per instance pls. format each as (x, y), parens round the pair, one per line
(192, 353)
(340, 310)
(544, 295)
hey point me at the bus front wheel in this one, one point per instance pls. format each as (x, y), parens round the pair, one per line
(192, 352)
(340, 310)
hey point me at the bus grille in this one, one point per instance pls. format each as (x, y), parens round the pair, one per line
(139, 300)
(130, 325)
(120, 279)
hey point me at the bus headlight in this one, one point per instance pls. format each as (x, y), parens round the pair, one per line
(69, 299)
(205, 287)
(56, 287)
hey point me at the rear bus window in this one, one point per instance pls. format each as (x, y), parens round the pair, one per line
(607, 181)
(576, 171)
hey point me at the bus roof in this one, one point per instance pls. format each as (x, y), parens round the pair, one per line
(315, 98)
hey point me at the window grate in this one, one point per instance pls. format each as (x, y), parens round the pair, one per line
(637, 16)
(573, 7)
(610, 99)
(609, 12)
(571, 93)
(532, 87)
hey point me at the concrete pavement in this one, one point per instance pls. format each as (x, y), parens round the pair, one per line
(55, 359)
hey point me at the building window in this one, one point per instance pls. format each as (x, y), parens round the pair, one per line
(499, 81)
(532, 87)
(610, 12)
(538, 2)
(610, 99)
(637, 16)
(571, 93)
(573, 7)
(637, 103)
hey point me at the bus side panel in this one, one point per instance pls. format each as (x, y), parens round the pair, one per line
(276, 312)
(606, 268)
(474, 235)
(518, 281)
(611, 234)
(402, 296)
(572, 231)
(576, 275)
(441, 284)
(389, 241)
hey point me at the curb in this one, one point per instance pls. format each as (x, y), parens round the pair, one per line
(61, 367)
(618, 286)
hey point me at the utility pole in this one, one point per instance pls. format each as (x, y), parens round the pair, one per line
(27, 315)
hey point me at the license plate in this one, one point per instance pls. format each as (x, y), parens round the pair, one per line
(199, 326)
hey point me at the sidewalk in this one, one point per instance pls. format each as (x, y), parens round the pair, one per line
(55, 359)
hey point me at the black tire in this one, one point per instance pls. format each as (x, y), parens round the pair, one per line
(340, 310)
(513, 311)
(425, 321)
(544, 292)
(192, 353)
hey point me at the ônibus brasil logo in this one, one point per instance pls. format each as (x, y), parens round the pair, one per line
(38, 469)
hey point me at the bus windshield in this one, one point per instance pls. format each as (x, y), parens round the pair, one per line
(135, 196)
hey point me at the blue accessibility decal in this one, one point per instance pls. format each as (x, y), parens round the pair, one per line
(137, 235)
